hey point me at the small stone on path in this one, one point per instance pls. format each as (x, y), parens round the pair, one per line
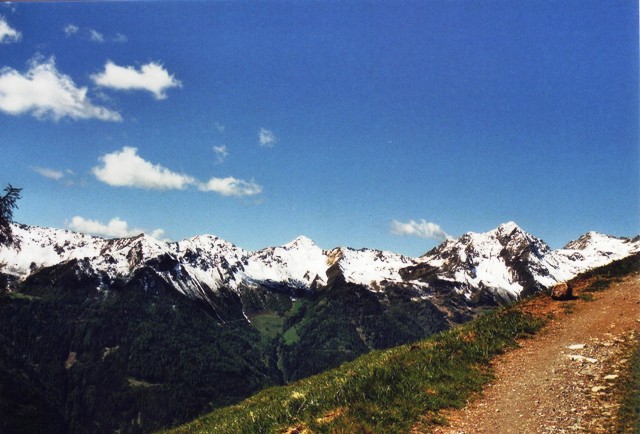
(579, 358)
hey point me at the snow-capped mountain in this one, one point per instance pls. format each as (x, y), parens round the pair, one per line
(589, 251)
(368, 267)
(200, 265)
(504, 263)
(508, 262)
(42, 247)
(300, 264)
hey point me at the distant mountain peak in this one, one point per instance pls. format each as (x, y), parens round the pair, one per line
(509, 226)
(588, 238)
(301, 241)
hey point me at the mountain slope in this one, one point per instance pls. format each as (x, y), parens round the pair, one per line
(404, 389)
(136, 334)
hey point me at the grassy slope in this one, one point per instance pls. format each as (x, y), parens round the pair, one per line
(384, 391)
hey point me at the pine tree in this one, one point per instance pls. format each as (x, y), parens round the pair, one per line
(8, 203)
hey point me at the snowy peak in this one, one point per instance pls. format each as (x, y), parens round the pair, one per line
(146, 246)
(597, 242)
(506, 262)
(300, 263)
(507, 241)
(206, 242)
(508, 228)
(513, 238)
(511, 262)
(41, 247)
(206, 251)
(589, 251)
(368, 267)
(301, 243)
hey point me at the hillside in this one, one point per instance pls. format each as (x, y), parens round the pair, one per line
(549, 383)
(574, 374)
(136, 334)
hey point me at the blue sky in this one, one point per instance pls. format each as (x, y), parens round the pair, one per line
(389, 125)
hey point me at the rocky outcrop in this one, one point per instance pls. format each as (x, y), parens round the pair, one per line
(562, 291)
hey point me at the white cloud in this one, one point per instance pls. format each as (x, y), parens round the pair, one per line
(219, 126)
(67, 177)
(221, 153)
(46, 93)
(56, 175)
(158, 234)
(93, 35)
(230, 186)
(126, 169)
(267, 138)
(422, 229)
(116, 228)
(7, 33)
(70, 29)
(151, 77)
(96, 36)
(120, 38)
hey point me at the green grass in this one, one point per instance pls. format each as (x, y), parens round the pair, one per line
(268, 324)
(291, 336)
(383, 391)
(271, 324)
(587, 297)
(628, 420)
(295, 307)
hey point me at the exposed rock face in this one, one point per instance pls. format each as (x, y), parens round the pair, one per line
(562, 291)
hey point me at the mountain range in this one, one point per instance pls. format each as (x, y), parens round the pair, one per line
(136, 334)
(503, 264)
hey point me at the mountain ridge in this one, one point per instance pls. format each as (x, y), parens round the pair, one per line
(506, 261)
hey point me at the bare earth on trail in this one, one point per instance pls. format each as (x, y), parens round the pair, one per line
(563, 379)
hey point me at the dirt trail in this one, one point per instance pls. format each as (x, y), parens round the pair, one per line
(563, 379)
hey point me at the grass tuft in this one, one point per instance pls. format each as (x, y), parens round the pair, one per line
(598, 285)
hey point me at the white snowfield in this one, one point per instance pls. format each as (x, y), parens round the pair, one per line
(496, 260)
(370, 267)
(298, 263)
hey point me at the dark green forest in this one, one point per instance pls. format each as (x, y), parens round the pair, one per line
(121, 360)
